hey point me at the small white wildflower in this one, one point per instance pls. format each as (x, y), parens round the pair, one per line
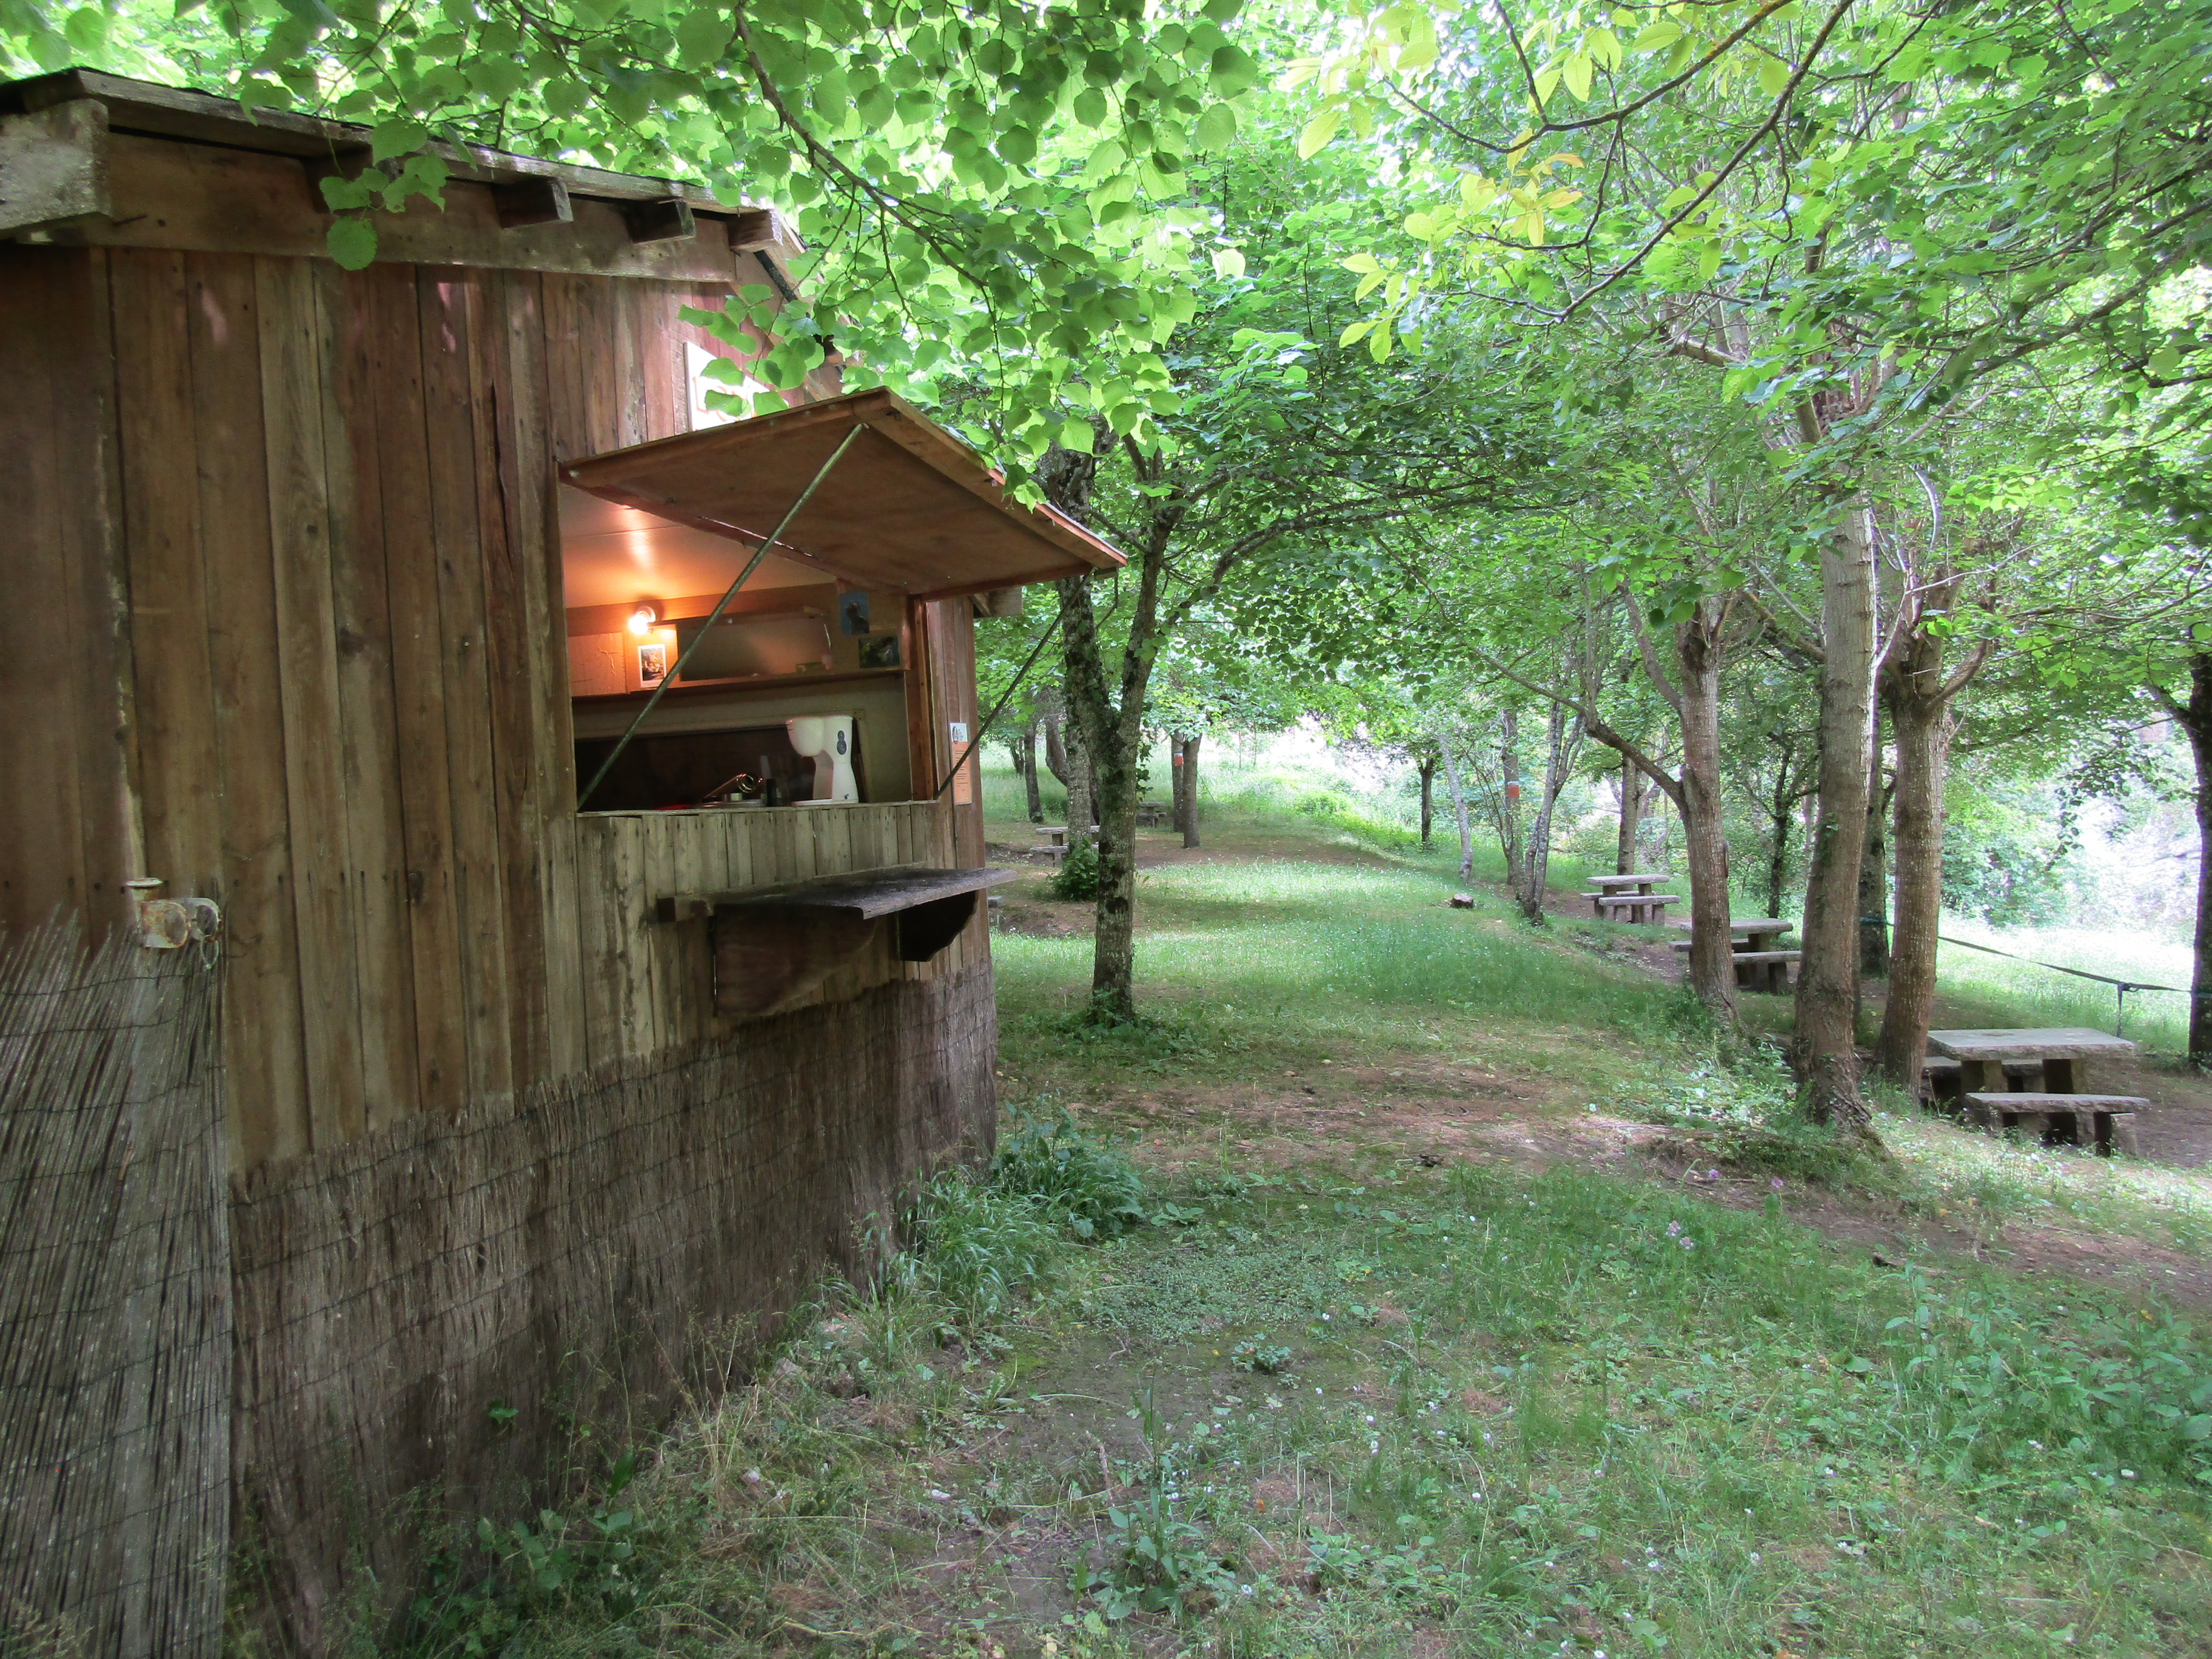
(2127, 1474)
(1674, 1230)
(1754, 1557)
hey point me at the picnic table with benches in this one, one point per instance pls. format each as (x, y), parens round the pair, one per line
(1632, 895)
(2036, 1079)
(1760, 963)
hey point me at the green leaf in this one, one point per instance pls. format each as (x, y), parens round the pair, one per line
(1317, 133)
(1656, 37)
(1363, 263)
(392, 138)
(1228, 262)
(1090, 106)
(1076, 435)
(345, 195)
(1773, 75)
(1576, 72)
(352, 243)
(1215, 131)
(1222, 11)
(704, 36)
(1357, 333)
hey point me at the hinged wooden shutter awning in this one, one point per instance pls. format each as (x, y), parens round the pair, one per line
(909, 508)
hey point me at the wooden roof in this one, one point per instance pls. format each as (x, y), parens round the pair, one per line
(149, 108)
(909, 507)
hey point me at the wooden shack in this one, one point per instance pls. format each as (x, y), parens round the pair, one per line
(320, 586)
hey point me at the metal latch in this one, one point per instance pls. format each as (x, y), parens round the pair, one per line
(170, 924)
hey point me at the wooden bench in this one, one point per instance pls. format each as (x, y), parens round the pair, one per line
(1756, 970)
(2104, 1122)
(1641, 906)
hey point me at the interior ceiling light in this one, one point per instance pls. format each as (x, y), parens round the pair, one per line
(643, 619)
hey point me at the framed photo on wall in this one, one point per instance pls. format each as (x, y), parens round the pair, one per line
(652, 664)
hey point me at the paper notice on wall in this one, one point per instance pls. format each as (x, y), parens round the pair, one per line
(963, 774)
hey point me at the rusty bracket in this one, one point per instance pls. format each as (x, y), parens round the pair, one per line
(170, 924)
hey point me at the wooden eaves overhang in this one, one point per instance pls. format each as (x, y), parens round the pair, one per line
(102, 159)
(908, 508)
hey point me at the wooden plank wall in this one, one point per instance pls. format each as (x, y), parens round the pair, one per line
(332, 498)
(63, 817)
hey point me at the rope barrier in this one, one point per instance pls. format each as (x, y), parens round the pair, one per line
(2121, 987)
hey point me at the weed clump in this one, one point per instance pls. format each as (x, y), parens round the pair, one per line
(1078, 877)
(1078, 1182)
(1741, 1108)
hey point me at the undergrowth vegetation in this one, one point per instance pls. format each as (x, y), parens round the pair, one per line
(1165, 1380)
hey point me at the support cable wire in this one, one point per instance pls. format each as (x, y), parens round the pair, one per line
(1021, 674)
(2120, 986)
(715, 615)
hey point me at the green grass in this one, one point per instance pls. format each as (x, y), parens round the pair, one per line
(1256, 964)
(1316, 1400)
(1514, 1416)
(2022, 994)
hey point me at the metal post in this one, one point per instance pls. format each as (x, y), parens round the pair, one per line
(715, 615)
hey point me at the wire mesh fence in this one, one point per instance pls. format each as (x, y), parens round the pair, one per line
(115, 1322)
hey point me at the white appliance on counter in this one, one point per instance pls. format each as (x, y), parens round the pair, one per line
(827, 740)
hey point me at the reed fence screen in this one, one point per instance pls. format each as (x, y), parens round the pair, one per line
(115, 1315)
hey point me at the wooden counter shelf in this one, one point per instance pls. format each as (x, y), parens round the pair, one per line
(773, 944)
(683, 689)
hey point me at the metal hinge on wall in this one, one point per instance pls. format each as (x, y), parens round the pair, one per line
(170, 924)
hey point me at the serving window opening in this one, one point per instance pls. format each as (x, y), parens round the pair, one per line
(797, 695)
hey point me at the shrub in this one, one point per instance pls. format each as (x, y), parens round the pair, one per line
(1071, 1176)
(1078, 877)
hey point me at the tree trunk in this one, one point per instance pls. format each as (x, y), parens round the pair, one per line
(1175, 780)
(1428, 797)
(1922, 727)
(2196, 719)
(1190, 789)
(1459, 807)
(1055, 750)
(1712, 949)
(1873, 869)
(1779, 811)
(1633, 793)
(1560, 742)
(1102, 779)
(1509, 805)
(1825, 1043)
(1082, 808)
(1025, 762)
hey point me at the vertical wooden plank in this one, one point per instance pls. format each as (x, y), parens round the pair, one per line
(420, 662)
(631, 965)
(600, 945)
(307, 684)
(378, 912)
(667, 409)
(460, 472)
(168, 599)
(264, 1039)
(63, 641)
(528, 484)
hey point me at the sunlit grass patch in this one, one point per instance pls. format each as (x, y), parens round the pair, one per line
(2002, 992)
(2006, 1176)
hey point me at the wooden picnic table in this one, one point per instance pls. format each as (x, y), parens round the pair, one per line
(2052, 1064)
(1761, 963)
(1641, 908)
(1632, 894)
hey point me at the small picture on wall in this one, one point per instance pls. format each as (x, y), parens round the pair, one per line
(853, 614)
(652, 664)
(879, 651)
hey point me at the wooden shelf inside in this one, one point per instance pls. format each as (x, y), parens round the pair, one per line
(683, 689)
(773, 944)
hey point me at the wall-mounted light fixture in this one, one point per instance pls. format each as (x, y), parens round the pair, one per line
(643, 619)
